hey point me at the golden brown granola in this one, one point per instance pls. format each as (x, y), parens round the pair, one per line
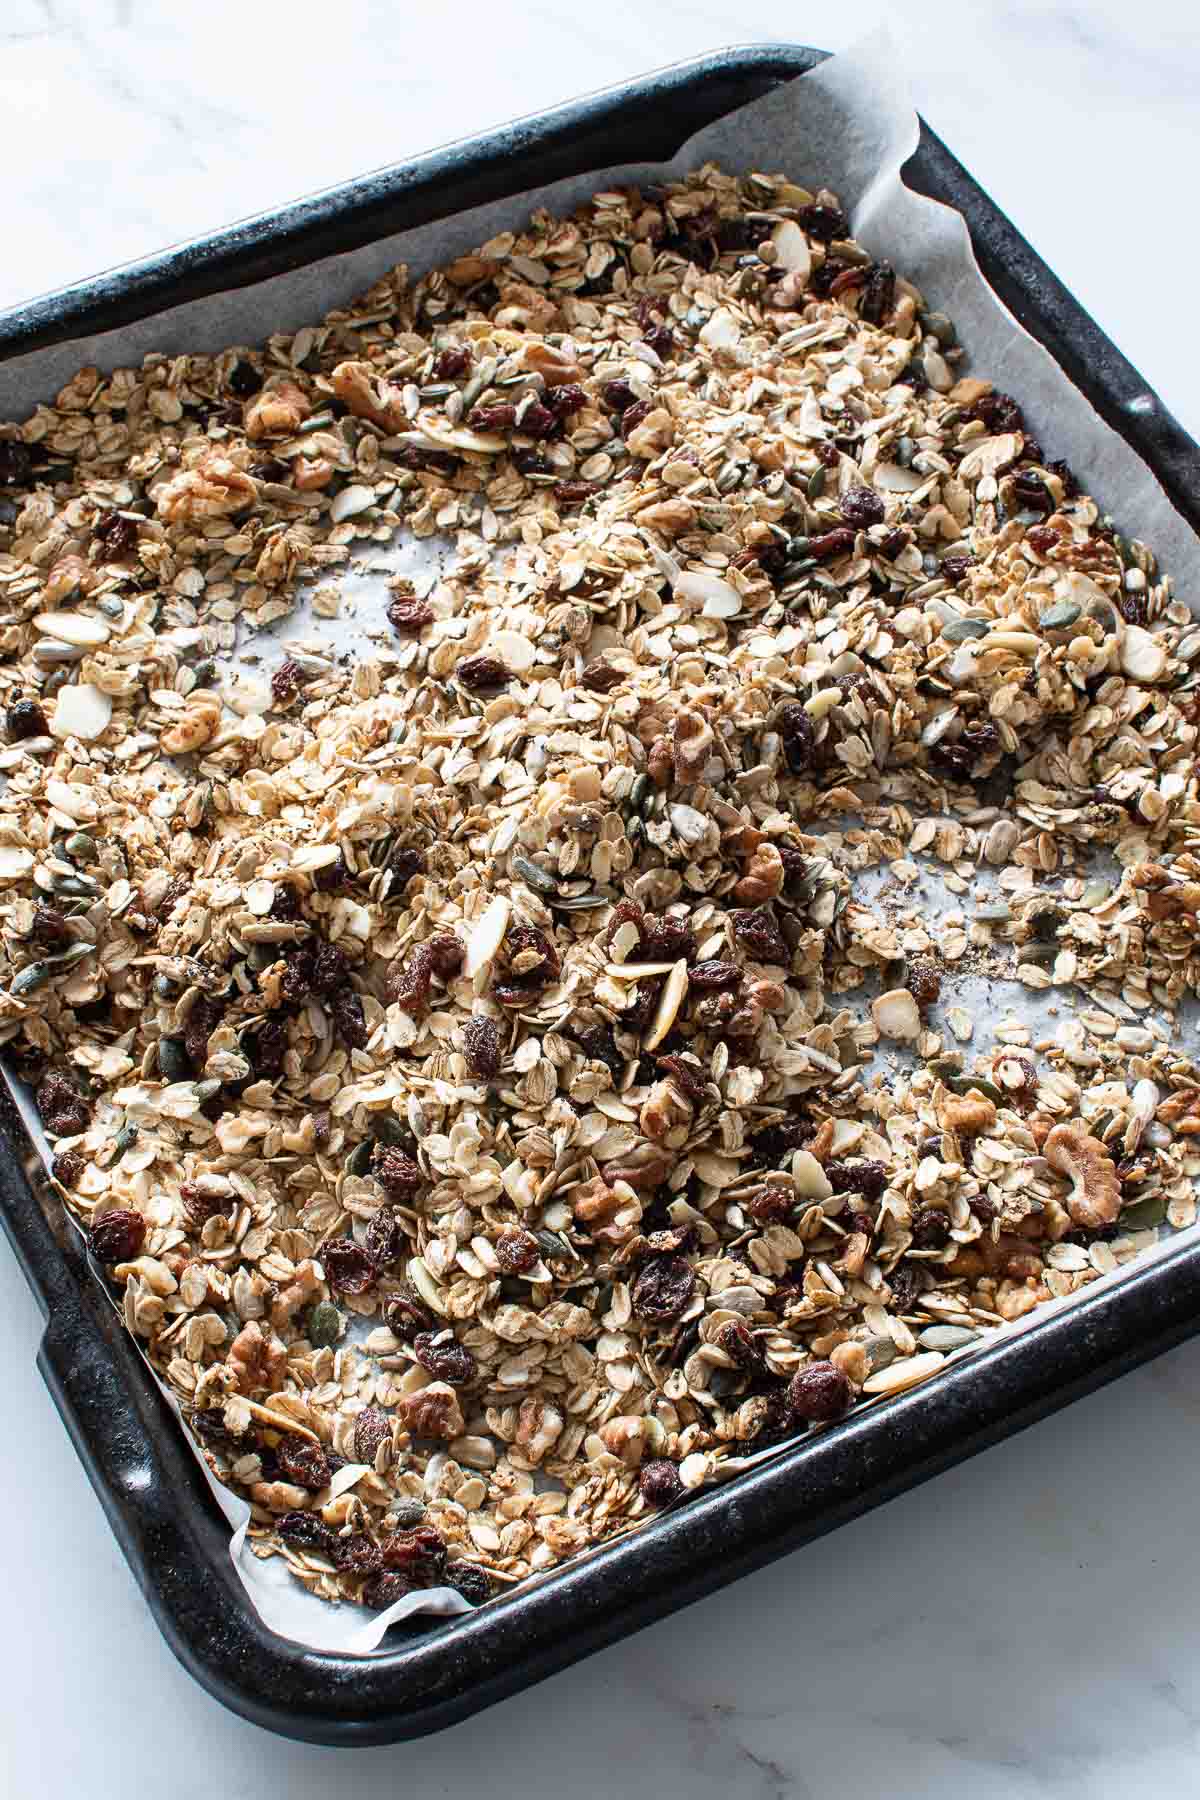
(486, 995)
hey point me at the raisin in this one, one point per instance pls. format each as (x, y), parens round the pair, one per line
(405, 862)
(625, 912)
(285, 907)
(632, 417)
(1042, 538)
(492, 418)
(357, 1555)
(67, 1167)
(574, 493)
(348, 1269)
(270, 469)
(1065, 474)
(774, 1145)
(532, 462)
(517, 1251)
(397, 1173)
(714, 977)
(999, 412)
(332, 875)
(211, 1429)
(860, 506)
(1030, 490)
(825, 223)
(866, 1178)
(924, 982)
(202, 1021)
(797, 735)
(25, 719)
(116, 535)
(955, 568)
(371, 1428)
(433, 462)
(406, 1315)
(879, 293)
(689, 1079)
(930, 1229)
(350, 1022)
(470, 1580)
(409, 984)
(598, 1043)
(520, 986)
(408, 614)
(383, 1590)
(825, 279)
(50, 926)
(600, 677)
(769, 1204)
(303, 1529)
(759, 931)
(303, 1462)
(295, 984)
(450, 363)
(819, 1393)
(894, 544)
(1132, 607)
(267, 1048)
(118, 1236)
(286, 682)
(537, 421)
(479, 672)
(16, 463)
(906, 1284)
(243, 380)
(385, 1241)
(663, 1288)
(565, 400)
(61, 1107)
(444, 1357)
(739, 1343)
(481, 1047)
(659, 1482)
(199, 1207)
(832, 543)
(618, 396)
(958, 759)
(330, 970)
(419, 1553)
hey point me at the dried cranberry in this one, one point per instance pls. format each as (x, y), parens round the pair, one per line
(267, 1048)
(357, 1555)
(349, 1019)
(303, 1462)
(797, 735)
(663, 1288)
(1042, 538)
(385, 1241)
(419, 1553)
(202, 1021)
(860, 506)
(574, 493)
(618, 396)
(517, 1251)
(397, 1174)
(450, 363)
(866, 1178)
(688, 1077)
(286, 682)
(406, 1315)
(659, 1482)
(408, 614)
(999, 412)
(305, 1530)
(16, 463)
(444, 1357)
(600, 677)
(769, 1204)
(481, 1047)
(118, 1236)
(470, 1580)
(479, 672)
(930, 1228)
(879, 293)
(759, 932)
(116, 535)
(924, 983)
(492, 418)
(819, 1393)
(383, 1590)
(371, 1428)
(67, 1167)
(565, 400)
(832, 543)
(348, 1268)
(537, 421)
(825, 223)
(61, 1107)
(25, 719)
(49, 926)
(632, 417)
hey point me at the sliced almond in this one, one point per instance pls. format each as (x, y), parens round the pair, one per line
(487, 935)
(73, 628)
(791, 249)
(279, 1421)
(669, 1002)
(514, 649)
(715, 597)
(638, 971)
(896, 1016)
(14, 862)
(903, 1374)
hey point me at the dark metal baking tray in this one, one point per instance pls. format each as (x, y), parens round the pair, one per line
(143, 1471)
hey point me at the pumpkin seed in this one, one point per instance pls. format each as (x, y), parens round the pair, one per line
(1143, 1215)
(174, 1063)
(576, 902)
(946, 1337)
(960, 1084)
(534, 875)
(80, 846)
(207, 1090)
(1059, 616)
(359, 1160)
(33, 976)
(323, 1323)
(814, 487)
(958, 631)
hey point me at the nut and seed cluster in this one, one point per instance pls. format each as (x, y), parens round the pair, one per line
(475, 1062)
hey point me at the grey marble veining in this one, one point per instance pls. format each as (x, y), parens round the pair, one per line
(1023, 1627)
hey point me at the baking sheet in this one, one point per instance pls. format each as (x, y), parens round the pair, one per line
(848, 125)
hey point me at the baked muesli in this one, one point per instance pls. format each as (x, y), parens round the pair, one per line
(513, 1073)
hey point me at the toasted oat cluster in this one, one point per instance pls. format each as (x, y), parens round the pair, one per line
(484, 1063)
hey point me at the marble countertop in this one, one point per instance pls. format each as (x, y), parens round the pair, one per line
(1022, 1627)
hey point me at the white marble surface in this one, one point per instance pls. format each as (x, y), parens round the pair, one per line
(1025, 1626)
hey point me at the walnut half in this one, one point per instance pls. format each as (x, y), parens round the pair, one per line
(1095, 1197)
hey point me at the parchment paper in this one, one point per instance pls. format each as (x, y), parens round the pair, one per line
(849, 126)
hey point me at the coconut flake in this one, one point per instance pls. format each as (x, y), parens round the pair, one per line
(669, 1002)
(1142, 659)
(73, 628)
(81, 712)
(716, 599)
(14, 862)
(896, 1016)
(514, 649)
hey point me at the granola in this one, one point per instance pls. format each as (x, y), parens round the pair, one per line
(515, 1076)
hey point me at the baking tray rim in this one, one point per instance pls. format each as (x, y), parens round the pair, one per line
(142, 1469)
